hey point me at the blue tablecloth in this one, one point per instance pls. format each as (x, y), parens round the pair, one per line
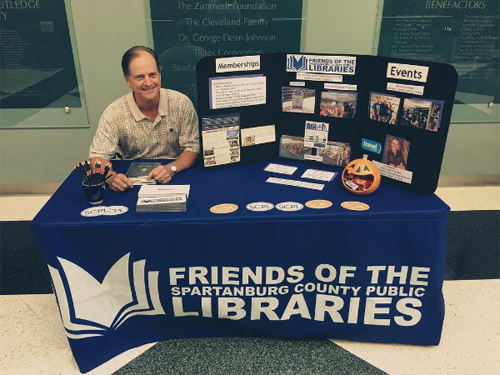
(125, 280)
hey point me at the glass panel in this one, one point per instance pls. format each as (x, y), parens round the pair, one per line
(185, 31)
(465, 34)
(41, 85)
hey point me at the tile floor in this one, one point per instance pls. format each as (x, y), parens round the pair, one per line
(33, 340)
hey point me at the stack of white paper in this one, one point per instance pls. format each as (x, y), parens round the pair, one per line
(163, 198)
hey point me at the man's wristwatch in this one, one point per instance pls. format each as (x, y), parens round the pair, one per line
(173, 168)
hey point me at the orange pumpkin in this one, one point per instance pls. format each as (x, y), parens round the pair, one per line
(361, 176)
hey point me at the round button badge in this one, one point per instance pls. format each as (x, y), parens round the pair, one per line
(289, 206)
(355, 206)
(318, 204)
(260, 206)
(224, 208)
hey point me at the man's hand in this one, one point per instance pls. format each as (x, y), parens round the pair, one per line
(120, 182)
(162, 174)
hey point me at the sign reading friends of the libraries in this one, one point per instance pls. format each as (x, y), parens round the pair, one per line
(37, 68)
(462, 33)
(185, 31)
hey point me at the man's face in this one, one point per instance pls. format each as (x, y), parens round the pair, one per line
(144, 78)
(395, 145)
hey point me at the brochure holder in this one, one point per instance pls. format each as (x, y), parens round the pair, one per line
(397, 111)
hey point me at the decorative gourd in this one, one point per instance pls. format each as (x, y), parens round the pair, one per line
(361, 176)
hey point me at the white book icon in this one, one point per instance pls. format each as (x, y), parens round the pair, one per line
(100, 306)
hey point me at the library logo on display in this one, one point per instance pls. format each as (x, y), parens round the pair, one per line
(224, 208)
(74, 287)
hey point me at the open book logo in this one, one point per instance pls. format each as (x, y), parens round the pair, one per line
(296, 64)
(90, 308)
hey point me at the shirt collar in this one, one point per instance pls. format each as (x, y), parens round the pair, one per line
(162, 107)
(136, 112)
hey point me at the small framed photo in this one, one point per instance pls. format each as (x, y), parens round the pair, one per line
(396, 151)
(422, 113)
(335, 153)
(384, 107)
(339, 104)
(298, 99)
(293, 148)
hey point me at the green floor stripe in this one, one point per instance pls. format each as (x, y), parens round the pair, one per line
(247, 356)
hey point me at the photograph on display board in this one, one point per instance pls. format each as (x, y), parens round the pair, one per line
(383, 107)
(298, 99)
(316, 134)
(248, 141)
(335, 153)
(339, 104)
(396, 152)
(221, 139)
(293, 148)
(422, 113)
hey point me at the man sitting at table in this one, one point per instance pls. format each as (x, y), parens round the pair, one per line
(148, 123)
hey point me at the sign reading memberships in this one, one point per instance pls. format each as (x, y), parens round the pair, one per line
(185, 31)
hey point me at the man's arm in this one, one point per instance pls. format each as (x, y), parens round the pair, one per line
(163, 174)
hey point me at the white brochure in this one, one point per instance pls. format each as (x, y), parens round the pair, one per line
(163, 190)
(302, 184)
(280, 168)
(316, 174)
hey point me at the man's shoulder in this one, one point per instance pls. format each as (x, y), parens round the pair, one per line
(176, 95)
(118, 106)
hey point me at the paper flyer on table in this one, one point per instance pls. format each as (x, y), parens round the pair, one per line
(163, 190)
(302, 184)
(316, 174)
(280, 168)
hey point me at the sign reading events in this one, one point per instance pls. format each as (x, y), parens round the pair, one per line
(185, 31)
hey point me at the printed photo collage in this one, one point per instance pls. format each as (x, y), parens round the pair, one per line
(220, 135)
(221, 139)
(418, 113)
(315, 145)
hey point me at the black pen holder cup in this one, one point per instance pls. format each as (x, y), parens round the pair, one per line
(94, 193)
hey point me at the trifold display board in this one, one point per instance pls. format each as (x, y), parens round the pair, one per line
(327, 109)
